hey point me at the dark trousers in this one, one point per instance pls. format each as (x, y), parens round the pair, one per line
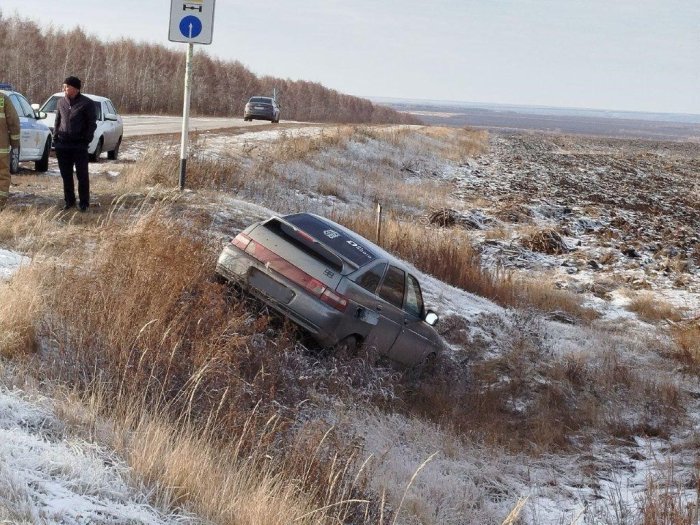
(67, 158)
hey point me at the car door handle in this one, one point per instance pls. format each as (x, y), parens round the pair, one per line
(379, 308)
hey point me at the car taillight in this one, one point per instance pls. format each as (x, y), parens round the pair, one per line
(298, 276)
(333, 299)
(241, 241)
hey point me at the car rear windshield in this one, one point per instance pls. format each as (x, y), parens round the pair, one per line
(351, 248)
(261, 100)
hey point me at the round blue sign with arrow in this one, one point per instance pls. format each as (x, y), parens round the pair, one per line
(190, 26)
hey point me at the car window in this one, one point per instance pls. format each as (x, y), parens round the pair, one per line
(110, 107)
(18, 105)
(27, 110)
(414, 298)
(264, 100)
(98, 109)
(392, 289)
(369, 280)
(50, 104)
(314, 249)
(351, 248)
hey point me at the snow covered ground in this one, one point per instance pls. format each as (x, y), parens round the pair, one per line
(48, 476)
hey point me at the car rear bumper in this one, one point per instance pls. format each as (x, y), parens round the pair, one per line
(259, 115)
(324, 323)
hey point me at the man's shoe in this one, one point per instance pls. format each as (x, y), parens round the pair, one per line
(68, 206)
(84, 207)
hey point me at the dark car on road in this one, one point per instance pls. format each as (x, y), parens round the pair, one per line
(262, 108)
(338, 286)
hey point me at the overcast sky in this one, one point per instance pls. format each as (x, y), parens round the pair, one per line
(639, 55)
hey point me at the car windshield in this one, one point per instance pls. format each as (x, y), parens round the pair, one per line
(261, 100)
(351, 248)
(50, 105)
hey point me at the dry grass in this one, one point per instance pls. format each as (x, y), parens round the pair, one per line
(458, 145)
(137, 327)
(687, 338)
(294, 148)
(450, 256)
(20, 306)
(669, 501)
(651, 309)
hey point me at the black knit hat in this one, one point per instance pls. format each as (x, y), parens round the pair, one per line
(73, 81)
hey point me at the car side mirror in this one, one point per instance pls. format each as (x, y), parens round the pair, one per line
(40, 114)
(110, 116)
(431, 318)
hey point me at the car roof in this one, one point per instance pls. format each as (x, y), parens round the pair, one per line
(96, 98)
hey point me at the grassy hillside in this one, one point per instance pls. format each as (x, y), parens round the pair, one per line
(228, 412)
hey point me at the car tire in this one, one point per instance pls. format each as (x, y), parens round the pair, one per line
(14, 161)
(114, 154)
(95, 157)
(42, 165)
(346, 347)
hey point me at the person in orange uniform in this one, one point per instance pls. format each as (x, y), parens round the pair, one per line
(9, 136)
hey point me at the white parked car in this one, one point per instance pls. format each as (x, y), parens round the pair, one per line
(110, 128)
(35, 136)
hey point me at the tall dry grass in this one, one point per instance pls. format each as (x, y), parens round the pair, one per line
(450, 256)
(686, 335)
(20, 305)
(652, 309)
(136, 325)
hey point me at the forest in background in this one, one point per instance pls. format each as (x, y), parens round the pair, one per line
(147, 78)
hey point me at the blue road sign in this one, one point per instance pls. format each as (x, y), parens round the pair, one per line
(191, 21)
(190, 26)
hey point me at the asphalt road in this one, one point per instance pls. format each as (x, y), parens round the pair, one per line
(136, 125)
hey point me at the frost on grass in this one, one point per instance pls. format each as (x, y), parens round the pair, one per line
(47, 477)
(9, 263)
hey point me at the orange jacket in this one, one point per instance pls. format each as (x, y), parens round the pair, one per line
(9, 125)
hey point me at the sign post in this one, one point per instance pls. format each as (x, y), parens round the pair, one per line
(191, 22)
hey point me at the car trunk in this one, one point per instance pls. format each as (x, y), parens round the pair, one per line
(293, 253)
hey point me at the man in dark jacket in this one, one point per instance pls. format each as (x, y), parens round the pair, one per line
(76, 120)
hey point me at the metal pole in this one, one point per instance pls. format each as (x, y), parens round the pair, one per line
(379, 223)
(186, 116)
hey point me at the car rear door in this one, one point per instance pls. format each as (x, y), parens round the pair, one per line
(111, 134)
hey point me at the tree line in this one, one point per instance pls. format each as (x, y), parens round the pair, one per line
(147, 78)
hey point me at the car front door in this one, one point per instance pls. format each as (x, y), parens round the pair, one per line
(413, 342)
(387, 305)
(31, 139)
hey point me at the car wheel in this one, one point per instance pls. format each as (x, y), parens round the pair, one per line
(427, 366)
(43, 164)
(95, 157)
(346, 347)
(114, 154)
(14, 161)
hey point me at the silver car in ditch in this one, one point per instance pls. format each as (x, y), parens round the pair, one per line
(340, 287)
